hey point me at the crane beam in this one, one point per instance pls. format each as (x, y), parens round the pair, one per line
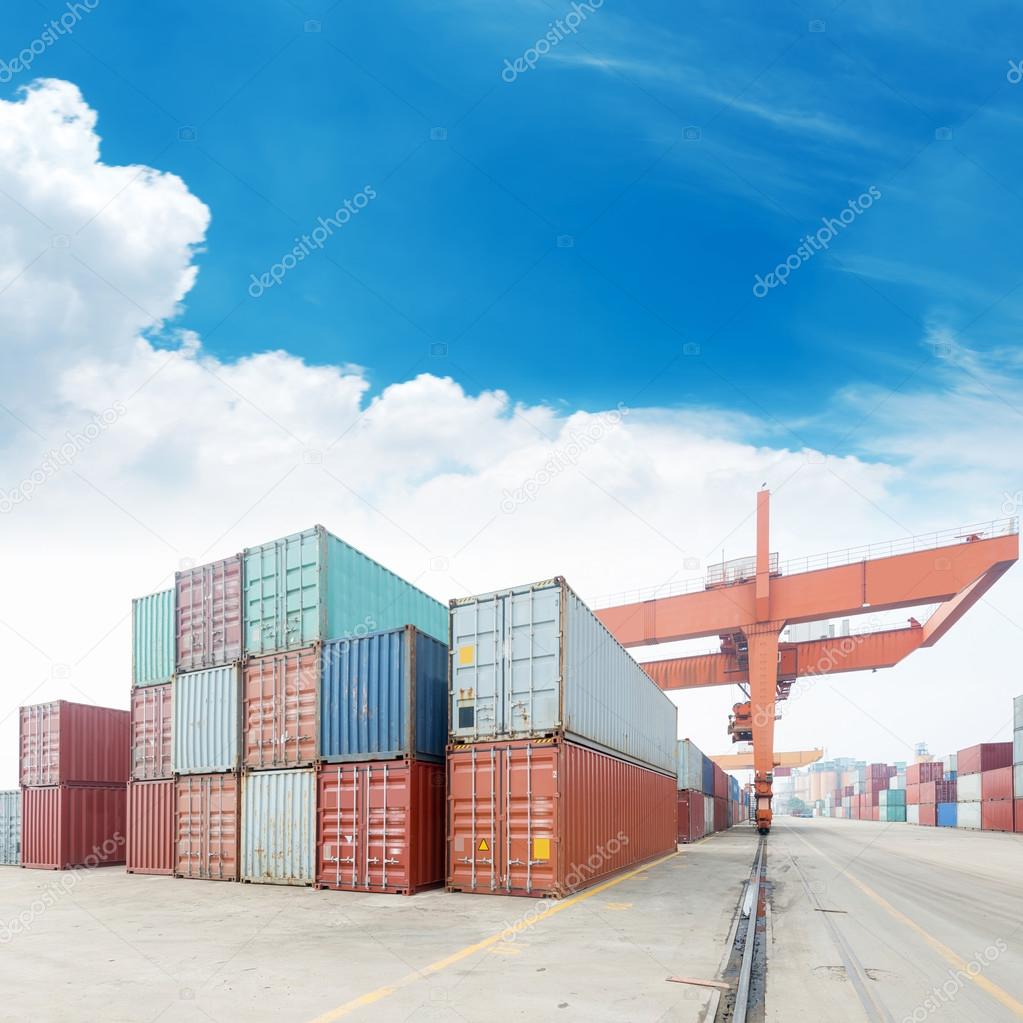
(743, 761)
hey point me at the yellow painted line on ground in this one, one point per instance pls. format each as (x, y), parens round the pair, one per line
(999, 994)
(372, 997)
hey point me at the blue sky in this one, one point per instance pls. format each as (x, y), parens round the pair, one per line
(297, 106)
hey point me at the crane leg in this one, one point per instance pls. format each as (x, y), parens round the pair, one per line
(763, 680)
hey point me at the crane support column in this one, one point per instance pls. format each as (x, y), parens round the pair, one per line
(763, 682)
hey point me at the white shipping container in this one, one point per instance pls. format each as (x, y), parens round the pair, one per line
(968, 815)
(949, 762)
(913, 813)
(708, 816)
(10, 828)
(207, 721)
(898, 782)
(534, 661)
(1017, 781)
(1017, 746)
(279, 827)
(690, 765)
(1017, 713)
(968, 788)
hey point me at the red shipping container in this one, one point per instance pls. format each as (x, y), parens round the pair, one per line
(996, 815)
(875, 813)
(996, 784)
(1017, 820)
(282, 724)
(380, 826)
(66, 743)
(206, 810)
(929, 814)
(67, 826)
(151, 822)
(945, 791)
(151, 721)
(720, 784)
(690, 815)
(917, 773)
(548, 817)
(208, 608)
(913, 794)
(720, 814)
(986, 756)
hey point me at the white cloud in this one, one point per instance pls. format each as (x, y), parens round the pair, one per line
(209, 456)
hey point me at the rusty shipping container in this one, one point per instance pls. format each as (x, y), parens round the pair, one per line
(207, 828)
(151, 726)
(66, 743)
(996, 784)
(690, 815)
(279, 827)
(381, 826)
(150, 848)
(208, 607)
(996, 815)
(281, 695)
(66, 826)
(547, 817)
(985, 756)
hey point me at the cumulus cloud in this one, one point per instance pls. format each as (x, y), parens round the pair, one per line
(459, 492)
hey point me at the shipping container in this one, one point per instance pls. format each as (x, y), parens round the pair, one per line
(708, 815)
(150, 846)
(66, 826)
(548, 817)
(690, 815)
(949, 762)
(209, 614)
(152, 721)
(535, 661)
(926, 814)
(996, 814)
(690, 766)
(281, 709)
(707, 785)
(985, 756)
(720, 784)
(996, 784)
(1017, 746)
(968, 815)
(947, 815)
(720, 814)
(384, 696)
(10, 828)
(1017, 781)
(1017, 712)
(311, 587)
(152, 639)
(938, 792)
(913, 792)
(66, 743)
(207, 721)
(1017, 820)
(969, 788)
(381, 826)
(917, 773)
(279, 827)
(207, 826)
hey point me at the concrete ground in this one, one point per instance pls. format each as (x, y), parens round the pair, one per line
(105, 945)
(875, 921)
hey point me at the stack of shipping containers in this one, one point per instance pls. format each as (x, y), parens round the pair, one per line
(946, 807)
(562, 764)
(992, 761)
(691, 820)
(921, 794)
(150, 846)
(74, 774)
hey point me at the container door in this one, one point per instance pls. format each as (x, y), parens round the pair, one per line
(338, 823)
(40, 744)
(477, 673)
(528, 854)
(383, 833)
(532, 661)
(474, 818)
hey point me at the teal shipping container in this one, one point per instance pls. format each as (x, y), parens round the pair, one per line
(311, 587)
(892, 814)
(10, 828)
(152, 639)
(891, 797)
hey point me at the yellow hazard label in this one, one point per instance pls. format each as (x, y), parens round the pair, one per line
(541, 848)
(466, 654)
(483, 847)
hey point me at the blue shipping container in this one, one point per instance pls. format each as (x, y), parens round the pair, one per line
(384, 696)
(708, 776)
(947, 815)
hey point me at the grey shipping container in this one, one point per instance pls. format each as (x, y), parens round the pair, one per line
(1017, 713)
(279, 826)
(534, 661)
(690, 765)
(152, 639)
(10, 828)
(312, 587)
(384, 696)
(207, 721)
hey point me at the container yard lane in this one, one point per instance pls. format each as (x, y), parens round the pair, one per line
(887, 922)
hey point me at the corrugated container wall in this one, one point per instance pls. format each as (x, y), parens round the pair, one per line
(151, 728)
(207, 721)
(152, 639)
(10, 828)
(73, 743)
(985, 756)
(279, 827)
(207, 827)
(209, 614)
(534, 661)
(384, 696)
(311, 587)
(67, 826)
(708, 777)
(381, 826)
(150, 848)
(548, 817)
(690, 766)
(282, 705)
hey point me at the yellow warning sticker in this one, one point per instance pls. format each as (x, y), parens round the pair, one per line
(541, 848)
(483, 847)
(467, 654)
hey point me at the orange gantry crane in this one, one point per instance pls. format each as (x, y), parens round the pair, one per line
(747, 602)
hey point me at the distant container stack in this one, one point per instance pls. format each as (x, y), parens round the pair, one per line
(984, 787)
(550, 720)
